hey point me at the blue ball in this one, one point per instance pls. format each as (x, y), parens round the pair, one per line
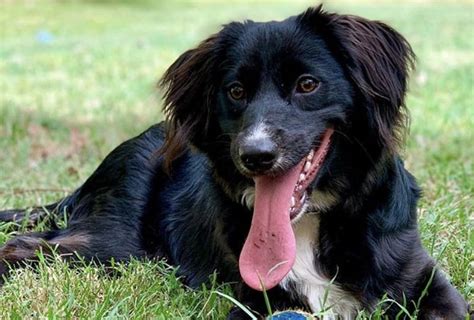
(290, 315)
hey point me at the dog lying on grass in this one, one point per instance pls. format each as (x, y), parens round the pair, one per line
(277, 167)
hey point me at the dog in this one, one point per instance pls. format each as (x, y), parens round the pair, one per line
(277, 167)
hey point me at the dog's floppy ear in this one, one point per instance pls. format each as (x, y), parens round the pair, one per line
(188, 90)
(378, 60)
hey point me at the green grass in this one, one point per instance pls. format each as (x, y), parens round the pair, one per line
(66, 104)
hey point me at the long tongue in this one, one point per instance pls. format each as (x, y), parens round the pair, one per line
(270, 249)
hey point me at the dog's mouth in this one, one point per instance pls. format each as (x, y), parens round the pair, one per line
(309, 169)
(269, 251)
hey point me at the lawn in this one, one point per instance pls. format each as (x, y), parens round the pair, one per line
(77, 78)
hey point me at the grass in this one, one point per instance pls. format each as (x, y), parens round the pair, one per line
(65, 102)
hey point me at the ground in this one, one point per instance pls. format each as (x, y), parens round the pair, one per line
(77, 78)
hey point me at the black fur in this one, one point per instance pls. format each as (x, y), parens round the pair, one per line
(183, 203)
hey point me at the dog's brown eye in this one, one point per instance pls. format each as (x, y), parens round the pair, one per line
(237, 92)
(307, 85)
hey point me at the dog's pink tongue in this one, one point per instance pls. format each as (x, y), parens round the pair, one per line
(269, 251)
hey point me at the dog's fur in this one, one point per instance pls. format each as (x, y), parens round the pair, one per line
(180, 191)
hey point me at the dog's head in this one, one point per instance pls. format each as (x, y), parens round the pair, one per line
(272, 100)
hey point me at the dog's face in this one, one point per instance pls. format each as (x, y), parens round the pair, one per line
(284, 103)
(281, 89)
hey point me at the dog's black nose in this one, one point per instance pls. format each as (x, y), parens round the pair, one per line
(258, 155)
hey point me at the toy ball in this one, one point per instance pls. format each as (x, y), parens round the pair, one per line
(291, 315)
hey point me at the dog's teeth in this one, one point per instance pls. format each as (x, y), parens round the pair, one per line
(299, 187)
(302, 177)
(310, 155)
(293, 201)
(307, 166)
(303, 198)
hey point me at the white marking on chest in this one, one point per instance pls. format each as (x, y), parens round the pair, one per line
(320, 293)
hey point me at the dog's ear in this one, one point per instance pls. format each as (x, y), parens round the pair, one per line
(188, 86)
(378, 60)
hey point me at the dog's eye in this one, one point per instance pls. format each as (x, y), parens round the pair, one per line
(307, 85)
(237, 92)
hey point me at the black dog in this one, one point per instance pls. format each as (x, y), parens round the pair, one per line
(277, 167)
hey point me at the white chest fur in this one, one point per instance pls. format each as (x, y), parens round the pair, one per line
(322, 295)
